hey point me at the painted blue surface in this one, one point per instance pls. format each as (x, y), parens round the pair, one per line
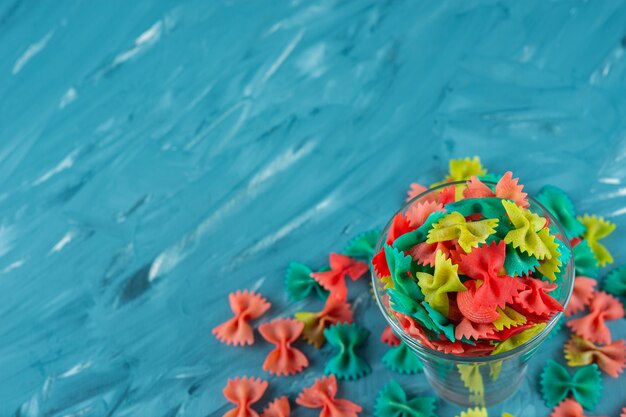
(155, 156)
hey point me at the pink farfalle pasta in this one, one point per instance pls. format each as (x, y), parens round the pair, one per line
(592, 327)
(582, 294)
(415, 190)
(388, 337)
(506, 188)
(243, 392)
(335, 279)
(278, 408)
(469, 330)
(284, 359)
(610, 358)
(246, 306)
(322, 395)
(419, 212)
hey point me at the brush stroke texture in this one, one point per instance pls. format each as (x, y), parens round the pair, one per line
(155, 156)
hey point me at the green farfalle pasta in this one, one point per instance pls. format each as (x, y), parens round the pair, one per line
(562, 208)
(469, 234)
(436, 287)
(440, 321)
(346, 364)
(404, 304)
(585, 260)
(585, 385)
(615, 282)
(392, 401)
(402, 360)
(488, 207)
(519, 263)
(399, 267)
(363, 245)
(598, 228)
(299, 283)
(419, 235)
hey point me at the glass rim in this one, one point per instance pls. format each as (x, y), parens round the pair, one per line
(414, 343)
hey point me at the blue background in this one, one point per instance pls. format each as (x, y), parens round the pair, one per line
(155, 156)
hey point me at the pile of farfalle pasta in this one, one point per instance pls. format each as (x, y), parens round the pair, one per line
(471, 269)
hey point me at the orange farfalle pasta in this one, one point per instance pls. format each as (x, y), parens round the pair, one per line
(610, 358)
(485, 263)
(335, 279)
(592, 326)
(535, 298)
(284, 359)
(335, 311)
(246, 306)
(243, 392)
(388, 337)
(278, 408)
(581, 295)
(415, 190)
(568, 408)
(419, 212)
(322, 395)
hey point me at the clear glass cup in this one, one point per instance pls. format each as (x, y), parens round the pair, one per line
(476, 381)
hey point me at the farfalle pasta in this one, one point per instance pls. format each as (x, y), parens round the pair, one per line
(322, 395)
(392, 401)
(334, 311)
(278, 408)
(245, 305)
(610, 358)
(592, 326)
(284, 359)
(557, 384)
(334, 280)
(476, 267)
(243, 392)
(346, 339)
(568, 408)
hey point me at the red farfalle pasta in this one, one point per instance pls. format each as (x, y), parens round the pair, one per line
(485, 263)
(581, 295)
(568, 408)
(399, 226)
(469, 330)
(592, 326)
(278, 408)
(322, 395)
(335, 279)
(246, 306)
(610, 358)
(335, 311)
(467, 306)
(446, 346)
(388, 337)
(535, 298)
(410, 327)
(424, 253)
(379, 262)
(447, 195)
(243, 392)
(415, 190)
(419, 212)
(284, 359)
